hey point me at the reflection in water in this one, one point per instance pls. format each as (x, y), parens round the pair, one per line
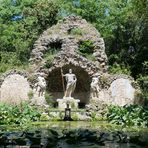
(76, 124)
(93, 145)
(74, 135)
(97, 125)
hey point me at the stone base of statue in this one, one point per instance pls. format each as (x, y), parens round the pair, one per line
(73, 103)
(39, 100)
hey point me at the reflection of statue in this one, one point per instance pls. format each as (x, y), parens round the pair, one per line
(95, 87)
(40, 85)
(71, 83)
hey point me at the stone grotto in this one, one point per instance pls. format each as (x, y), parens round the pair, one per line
(59, 48)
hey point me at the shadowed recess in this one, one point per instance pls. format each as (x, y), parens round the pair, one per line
(55, 87)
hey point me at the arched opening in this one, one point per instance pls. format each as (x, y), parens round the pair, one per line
(86, 49)
(82, 91)
(54, 46)
(52, 49)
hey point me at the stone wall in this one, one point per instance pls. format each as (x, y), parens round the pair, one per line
(14, 87)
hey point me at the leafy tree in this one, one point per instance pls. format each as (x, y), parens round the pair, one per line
(122, 23)
(21, 22)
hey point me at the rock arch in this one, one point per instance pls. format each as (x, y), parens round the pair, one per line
(66, 36)
(69, 43)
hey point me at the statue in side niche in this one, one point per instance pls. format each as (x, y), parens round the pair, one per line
(95, 86)
(40, 86)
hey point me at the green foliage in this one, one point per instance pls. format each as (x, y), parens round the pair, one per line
(18, 36)
(76, 31)
(123, 25)
(93, 116)
(49, 56)
(44, 117)
(75, 117)
(143, 82)
(30, 94)
(49, 99)
(20, 114)
(61, 115)
(86, 49)
(129, 115)
(119, 69)
(90, 57)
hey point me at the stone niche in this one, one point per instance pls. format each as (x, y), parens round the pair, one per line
(14, 88)
(82, 91)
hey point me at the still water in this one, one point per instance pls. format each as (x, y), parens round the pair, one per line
(73, 135)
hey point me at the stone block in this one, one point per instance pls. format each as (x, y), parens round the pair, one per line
(73, 103)
(14, 89)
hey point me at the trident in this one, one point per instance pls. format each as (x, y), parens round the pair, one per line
(62, 80)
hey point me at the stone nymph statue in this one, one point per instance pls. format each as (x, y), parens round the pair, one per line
(40, 86)
(71, 83)
(95, 86)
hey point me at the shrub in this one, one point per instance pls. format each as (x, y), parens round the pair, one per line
(44, 117)
(49, 99)
(49, 57)
(128, 115)
(86, 47)
(20, 114)
(119, 69)
(143, 82)
(90, 57)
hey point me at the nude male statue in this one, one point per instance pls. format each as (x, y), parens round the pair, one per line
(71, 83)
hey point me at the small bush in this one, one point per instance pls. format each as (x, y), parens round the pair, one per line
(20, 114)
(86, 47)
(90, 57)
(49, 99)
(143, 82)
(44, 117)
(119, 69)
(128, 115)
(49, 57)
